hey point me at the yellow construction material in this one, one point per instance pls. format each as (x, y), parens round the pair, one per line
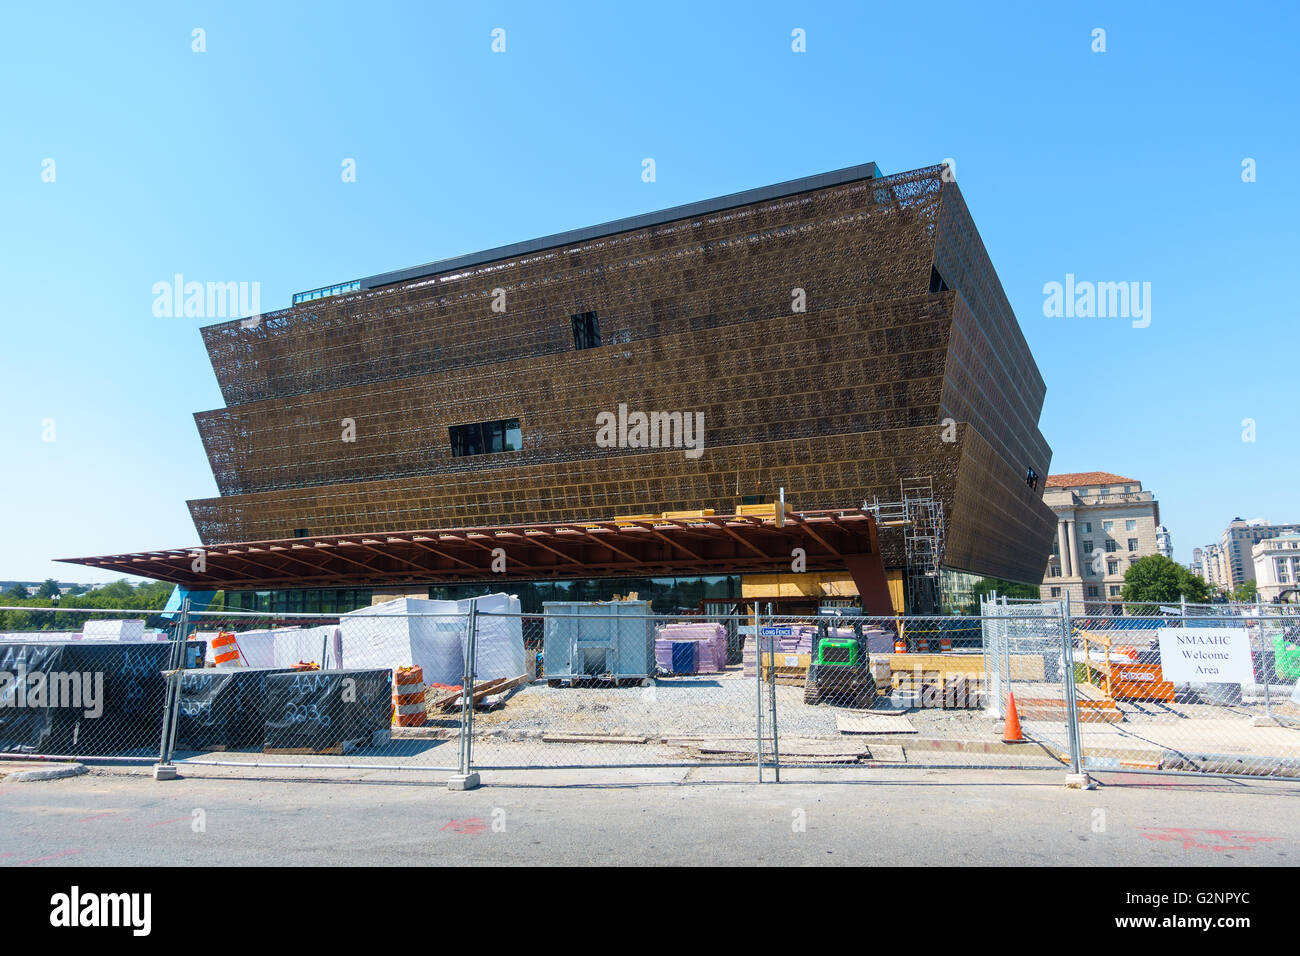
(808, 585)
(790, 668)
(1023, 666)
(895, 581)
(763, 511)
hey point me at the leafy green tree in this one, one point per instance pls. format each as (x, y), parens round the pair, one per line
(49, 588)
(16, 593)
(1157, 579)
(1245, 593)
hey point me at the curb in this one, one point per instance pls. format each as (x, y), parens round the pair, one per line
(53, 772)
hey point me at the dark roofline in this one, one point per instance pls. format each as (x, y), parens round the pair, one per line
(704, 207)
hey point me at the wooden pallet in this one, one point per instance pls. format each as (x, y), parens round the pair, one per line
(790, 668)
(593, 739)
(1090, 711)
(482, 690)
(1023, 666)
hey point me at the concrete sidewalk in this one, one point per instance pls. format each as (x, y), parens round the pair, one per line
(640, 816)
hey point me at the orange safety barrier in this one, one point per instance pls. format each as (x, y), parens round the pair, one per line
(408, 697)
(225, 649)
(945, 644)
(900, 646)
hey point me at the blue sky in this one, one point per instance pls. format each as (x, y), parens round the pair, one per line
(225, 166)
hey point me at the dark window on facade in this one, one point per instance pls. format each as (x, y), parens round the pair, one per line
(586, 331)
(1092, 590)
(485, 438)
(1132, 544)
(754, 500)
(302, 600)
(936, 281)
(300, 532)
(1110, 545)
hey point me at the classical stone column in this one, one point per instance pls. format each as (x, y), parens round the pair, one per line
(1077, 569)
(1062, 548)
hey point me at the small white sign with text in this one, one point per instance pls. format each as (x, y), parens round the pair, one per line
(1214, 654)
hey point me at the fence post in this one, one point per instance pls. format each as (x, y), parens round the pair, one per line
(1263, 661)
(1076, 776)
(776, 749)
(1004, 663)
(758, 690)
(467, 779)
(164, 769)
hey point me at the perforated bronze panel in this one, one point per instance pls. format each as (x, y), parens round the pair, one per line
(827, 373)
(849, 244)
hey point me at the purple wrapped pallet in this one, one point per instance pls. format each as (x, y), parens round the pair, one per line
(664, 654)
(711, 641)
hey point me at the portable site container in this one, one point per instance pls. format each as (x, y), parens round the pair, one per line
(612, 640)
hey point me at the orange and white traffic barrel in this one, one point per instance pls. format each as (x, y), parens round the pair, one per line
(225, 649)
(923, 645)
(900, 646)
(945, 644)
(408, 697)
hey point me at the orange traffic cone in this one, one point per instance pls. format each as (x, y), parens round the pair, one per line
(1011, 730)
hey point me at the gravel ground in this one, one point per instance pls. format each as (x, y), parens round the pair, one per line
(705, 704)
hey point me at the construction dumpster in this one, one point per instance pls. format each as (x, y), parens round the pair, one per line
(607, 640)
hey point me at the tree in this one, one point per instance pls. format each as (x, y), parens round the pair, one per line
(1013, 589)
(1245, 593)
(17, 592)
(1157, 579)
(49, 588)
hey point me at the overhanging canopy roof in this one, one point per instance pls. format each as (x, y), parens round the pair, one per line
(617, 547)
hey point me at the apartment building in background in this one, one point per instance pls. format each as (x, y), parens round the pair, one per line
(1104, 522)
(1236, 563)
(1164, 542)
(1276, 564)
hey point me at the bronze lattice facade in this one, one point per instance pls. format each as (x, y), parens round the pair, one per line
(906, 325)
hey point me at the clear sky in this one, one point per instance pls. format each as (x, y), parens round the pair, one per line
(226, 166)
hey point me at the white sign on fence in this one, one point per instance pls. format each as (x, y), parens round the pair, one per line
(1214, 654)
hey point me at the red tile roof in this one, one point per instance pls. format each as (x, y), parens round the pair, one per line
(1080, 478)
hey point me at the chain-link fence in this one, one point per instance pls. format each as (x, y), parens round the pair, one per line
(618, 685)
(480, 685)
(1196, 688)
(83, 683)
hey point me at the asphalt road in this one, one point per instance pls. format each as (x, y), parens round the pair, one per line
(647, 816)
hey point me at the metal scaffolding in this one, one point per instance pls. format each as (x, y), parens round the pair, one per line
(918, 514)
